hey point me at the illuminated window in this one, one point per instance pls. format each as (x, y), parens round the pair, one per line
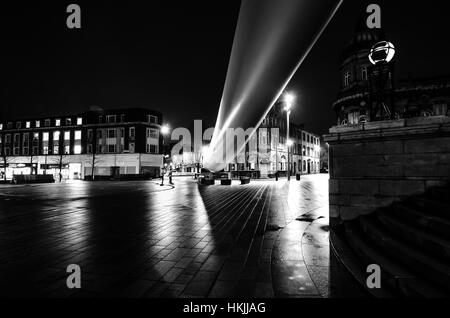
(1, 126)
(364, 73)
(58, 122)
(28, 124)
(68, 121)
(45, 136)
(78, 135)
(56, 135)
(67, 135)
(45, 150)
(111, 133)
(79, 121)
(66, 150)
(38, 124)
(77, 149)
(111, 119)
(347, 79)
(55, 150)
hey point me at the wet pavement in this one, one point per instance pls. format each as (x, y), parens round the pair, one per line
(138, 239)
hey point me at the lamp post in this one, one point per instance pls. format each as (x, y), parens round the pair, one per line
(289, 101)
(164, 129)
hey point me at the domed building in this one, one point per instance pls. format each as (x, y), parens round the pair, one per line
(363, 89)
(354, 96)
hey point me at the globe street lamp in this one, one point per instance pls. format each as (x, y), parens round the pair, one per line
(289, 102)
(381, 54)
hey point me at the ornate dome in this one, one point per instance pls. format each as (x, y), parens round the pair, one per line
(363, 39)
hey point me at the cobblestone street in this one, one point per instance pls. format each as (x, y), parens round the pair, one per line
(138, 239)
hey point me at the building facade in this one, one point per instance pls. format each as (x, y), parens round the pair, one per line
(360, 81)
(109, 143)
(271, 156)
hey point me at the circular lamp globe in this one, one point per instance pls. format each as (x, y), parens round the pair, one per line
(382, 52)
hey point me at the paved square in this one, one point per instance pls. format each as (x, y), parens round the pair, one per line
(138, 239)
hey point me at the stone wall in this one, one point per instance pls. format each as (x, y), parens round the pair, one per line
(374, 164)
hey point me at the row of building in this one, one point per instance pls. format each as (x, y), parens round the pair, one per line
(129, 142)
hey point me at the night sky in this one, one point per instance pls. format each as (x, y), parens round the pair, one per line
(172, 56)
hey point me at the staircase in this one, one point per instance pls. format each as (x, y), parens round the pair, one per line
(409, 240)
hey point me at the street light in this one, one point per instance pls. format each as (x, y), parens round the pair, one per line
(289, 100)
(165, 129)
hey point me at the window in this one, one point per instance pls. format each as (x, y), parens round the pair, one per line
(28, 124)
(364, 73)
(45, 150)
(19, 125)
(68, 121)
(45, 136)
(77, 149)
(26, 138)
(89, 149)
(78, 135)
(16, 151)
(131, 147)
(152, 133)
(153, 149)
(67, 135)
(111, 133)
(47, 123)
(347, 79)
(1, 126)
(58, 122)
(79, 121)
(35, 150)
(38, 123)
(111, 148)
(35, 137)
(7, 139)
(111, 119)
(100, 119)
(122, 132)
(132, 132)
(152, 119)
(90, 134)
(16, 138)
(55, 150)
(7, 151)
(99, 134)
(122, 118)
(25, 151)
(56, 135)
(66, 149)
(10, 125)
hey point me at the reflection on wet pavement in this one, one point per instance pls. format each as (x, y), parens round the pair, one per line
(137, 239)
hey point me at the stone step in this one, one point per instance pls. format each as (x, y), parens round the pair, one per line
(351, 263)
(419, 262)
(431, 206)
(440, 194)
(417, 236)
(394, 276)
(414, 215)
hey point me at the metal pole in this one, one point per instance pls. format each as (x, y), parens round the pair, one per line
(288, 113)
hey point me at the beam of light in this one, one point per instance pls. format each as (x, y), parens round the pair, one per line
(272, 40)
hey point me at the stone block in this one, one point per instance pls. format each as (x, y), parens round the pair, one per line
(342, 199)
(333, 186)
(334, 211)
(370, 201)
(359, 186)
(383, 147)
(351, 213)
(397, 188)
(349, 149)
(427, 145)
